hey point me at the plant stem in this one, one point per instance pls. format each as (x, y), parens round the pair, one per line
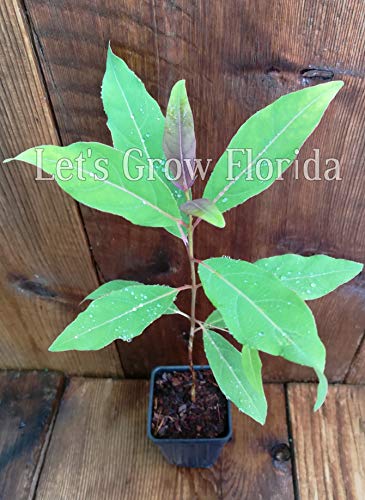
(193, 302)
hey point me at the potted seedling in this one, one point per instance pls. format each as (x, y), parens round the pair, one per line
(147, 178)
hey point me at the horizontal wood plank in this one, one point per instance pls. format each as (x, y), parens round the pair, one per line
(329, 445)
(28, 402)
(99, 448)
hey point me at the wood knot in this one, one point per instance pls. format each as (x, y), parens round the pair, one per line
(280, 452)
(31, 287)
(321, 74)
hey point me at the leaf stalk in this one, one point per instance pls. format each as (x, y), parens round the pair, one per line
(194, 287)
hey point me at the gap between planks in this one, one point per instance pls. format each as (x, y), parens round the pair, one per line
(99, 449)
(28, 406)
(96, 445)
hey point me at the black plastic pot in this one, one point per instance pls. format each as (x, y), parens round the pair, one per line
(199, 452)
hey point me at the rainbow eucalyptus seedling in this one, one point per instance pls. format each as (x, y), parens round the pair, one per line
(148, 178)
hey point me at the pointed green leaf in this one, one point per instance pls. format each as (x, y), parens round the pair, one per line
(144, 202)
(179, 137)
(251, 364)
(226, 364)
(205, 209)
(310, 277)
(272, 134)
(107, 288)
(250, 358)
(262, 313)
(122, 314)
(135, 119)
(321, 390)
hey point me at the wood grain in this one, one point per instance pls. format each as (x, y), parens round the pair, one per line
(45, 263)
(99, 449)
(236, 57)
(258, 464)
(330, 444)
(356, 374)
(28, 402)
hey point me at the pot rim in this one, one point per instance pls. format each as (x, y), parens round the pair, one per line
(222, 439)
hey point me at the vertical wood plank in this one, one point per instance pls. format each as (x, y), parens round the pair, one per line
(356, 374)
(45, 264)
(236, 58)
(28, 402)
(329, 445)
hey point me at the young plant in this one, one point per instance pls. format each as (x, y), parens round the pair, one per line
(262, 304)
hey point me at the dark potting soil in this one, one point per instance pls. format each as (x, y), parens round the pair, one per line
(176, 416)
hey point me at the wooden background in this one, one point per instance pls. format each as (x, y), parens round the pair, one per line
(237, 56)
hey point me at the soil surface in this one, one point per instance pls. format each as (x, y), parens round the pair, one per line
(176, 416)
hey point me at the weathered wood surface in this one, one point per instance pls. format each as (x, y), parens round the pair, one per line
(258, 463)
(28, 402)
(330, 444)
(356, 373)
(99, 449)
(236, 58)
(45, 262)
(93, 444)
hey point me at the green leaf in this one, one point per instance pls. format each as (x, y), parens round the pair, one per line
(251, 357)
(173, 309)
(135, 119)
(179, 138)
(205, 209)
(122, 314)
(251, 364)
(144, 202)
(311, 277)
(274, 133)
(111, 286)
(321, 390)
(235, 382)
(262, 313)
(175, 231)
(215, 320)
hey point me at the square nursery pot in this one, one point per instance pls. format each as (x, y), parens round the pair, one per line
(199, 452)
